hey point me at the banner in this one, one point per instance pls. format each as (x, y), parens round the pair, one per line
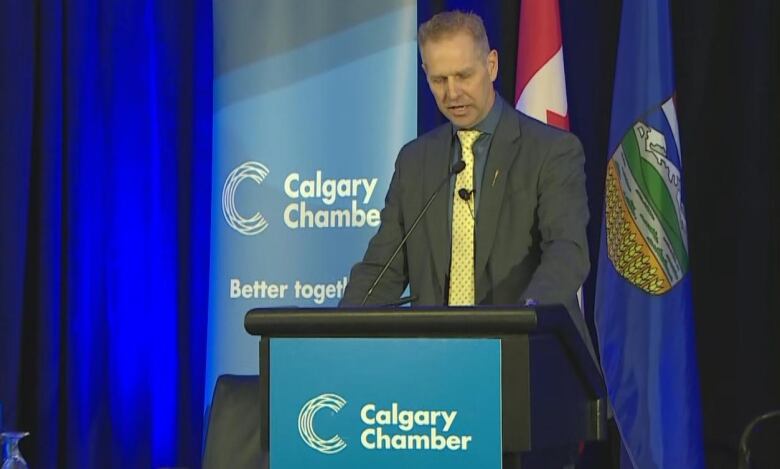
(312, 101)
(644, 312)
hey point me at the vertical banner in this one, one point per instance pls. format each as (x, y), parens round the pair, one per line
(312, 101)
(644, 310)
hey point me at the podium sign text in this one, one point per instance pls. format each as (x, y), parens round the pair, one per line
(385, 403)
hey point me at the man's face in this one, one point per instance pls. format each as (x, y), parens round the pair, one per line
(461, 78)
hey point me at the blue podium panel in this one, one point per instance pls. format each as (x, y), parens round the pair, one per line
(385, 403)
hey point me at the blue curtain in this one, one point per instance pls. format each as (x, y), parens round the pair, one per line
(105, 127)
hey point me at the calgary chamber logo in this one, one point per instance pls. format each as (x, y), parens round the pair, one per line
(393, 428)
(315, 200)
(255, 224)
(333, 444)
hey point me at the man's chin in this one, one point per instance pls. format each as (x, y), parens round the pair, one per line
(464, 122)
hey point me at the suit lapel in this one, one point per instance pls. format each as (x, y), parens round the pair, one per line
(503, 150)
(437, 158)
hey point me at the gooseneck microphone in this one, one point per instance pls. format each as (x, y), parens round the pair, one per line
(455, 169)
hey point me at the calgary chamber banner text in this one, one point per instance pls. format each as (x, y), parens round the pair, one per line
(312, 101)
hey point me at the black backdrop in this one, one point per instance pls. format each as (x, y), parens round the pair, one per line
(726, 58)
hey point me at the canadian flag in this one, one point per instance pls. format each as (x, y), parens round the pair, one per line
(540, 90)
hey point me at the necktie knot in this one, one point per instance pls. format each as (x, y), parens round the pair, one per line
(467, 138)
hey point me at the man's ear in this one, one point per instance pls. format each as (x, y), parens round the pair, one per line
(492, 64)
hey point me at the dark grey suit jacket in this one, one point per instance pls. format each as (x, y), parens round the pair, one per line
(530, 230)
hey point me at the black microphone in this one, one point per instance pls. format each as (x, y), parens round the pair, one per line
(456, 168)
(465, 194)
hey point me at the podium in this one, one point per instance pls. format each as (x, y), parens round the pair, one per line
(549, 391)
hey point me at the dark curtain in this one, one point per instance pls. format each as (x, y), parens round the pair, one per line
(105, 134)
(727, 59)
(728, 74)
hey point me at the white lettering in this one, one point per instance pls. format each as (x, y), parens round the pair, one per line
(370, 185)
(288, 216)
(288, 182)
(364, 414)
(329, 190)
(308, 189)
(431, 440)
(257, 289)
(235, 288)
(345, 187)
(449, 418)
(299, 215)
(422, 418)
(378, 437)
(319, 292)
(364, 438)
(406, 420)
(384, 417)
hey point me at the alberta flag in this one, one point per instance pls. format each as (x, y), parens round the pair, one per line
(644, 312)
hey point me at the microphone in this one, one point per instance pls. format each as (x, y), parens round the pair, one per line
(456, 168)
(465, 195)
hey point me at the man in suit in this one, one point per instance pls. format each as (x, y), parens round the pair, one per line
(510, 227)
(527, 194)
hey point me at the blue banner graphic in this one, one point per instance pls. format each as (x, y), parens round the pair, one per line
(644, 312)
(385, 403)
(312, 101)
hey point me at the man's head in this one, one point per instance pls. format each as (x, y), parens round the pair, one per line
(459, 65)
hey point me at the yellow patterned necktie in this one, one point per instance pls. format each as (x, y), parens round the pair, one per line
(462, 246)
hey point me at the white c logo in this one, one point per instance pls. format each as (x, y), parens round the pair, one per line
(246, 226)
(332, 445)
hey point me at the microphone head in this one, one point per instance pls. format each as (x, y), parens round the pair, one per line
(459, 166)
(464, 194)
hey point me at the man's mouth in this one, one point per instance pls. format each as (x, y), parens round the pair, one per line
(457, 109)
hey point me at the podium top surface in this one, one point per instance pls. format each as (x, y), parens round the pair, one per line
(404, 322)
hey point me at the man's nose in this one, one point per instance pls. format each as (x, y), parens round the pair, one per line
(453, 88)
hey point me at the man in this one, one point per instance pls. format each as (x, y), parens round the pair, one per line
(524, 193)
(510, 227)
